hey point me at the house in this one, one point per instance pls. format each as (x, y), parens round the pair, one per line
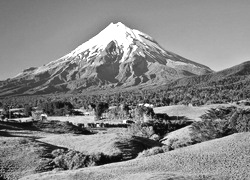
(86, 113)
(39, 115)
(244, 102)
(146, 105)
(127, 121)
(44, 116)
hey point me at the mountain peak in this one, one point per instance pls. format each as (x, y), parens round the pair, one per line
(115, 28)
(117, 24)
(116, 32)
(116, 56)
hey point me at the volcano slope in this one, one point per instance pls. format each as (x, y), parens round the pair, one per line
(118, 57)
(224, 158)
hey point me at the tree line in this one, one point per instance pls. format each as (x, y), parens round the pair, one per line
(213, 92)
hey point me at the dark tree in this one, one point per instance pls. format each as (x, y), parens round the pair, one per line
(101, 107)
(27, 110)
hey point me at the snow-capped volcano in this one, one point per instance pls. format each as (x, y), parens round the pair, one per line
(117, 56)
(125, 39)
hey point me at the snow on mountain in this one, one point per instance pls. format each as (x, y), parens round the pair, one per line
(123, 36)
(117, 56)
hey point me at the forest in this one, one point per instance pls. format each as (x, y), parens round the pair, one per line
(211, 93)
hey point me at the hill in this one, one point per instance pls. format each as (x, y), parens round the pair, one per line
(236, 74)
(224, 158)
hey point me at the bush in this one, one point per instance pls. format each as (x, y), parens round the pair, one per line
(155, 137)
(100, 108)
(221, 122)
(155, 128)
(240, 120)
(139, 129)
(209, 129)
(75, 159)
(179, 143)
(57, 152)
(153, 151)
(219, 113)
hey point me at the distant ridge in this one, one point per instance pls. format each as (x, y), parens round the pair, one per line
(235, 74)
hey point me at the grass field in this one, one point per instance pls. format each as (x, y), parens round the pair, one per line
(221, 159)
(191, 112)
(109, 144)
(74, 119)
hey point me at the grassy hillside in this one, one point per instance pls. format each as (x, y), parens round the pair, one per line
(23, 156)
(224, 158)
(109, 144)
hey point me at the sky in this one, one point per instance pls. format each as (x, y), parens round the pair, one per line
(215, 33)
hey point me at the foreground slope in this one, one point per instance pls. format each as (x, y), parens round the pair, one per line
(21, 156)
(224, 158)
(116, 57)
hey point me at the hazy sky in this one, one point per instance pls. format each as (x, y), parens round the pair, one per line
(215, 33)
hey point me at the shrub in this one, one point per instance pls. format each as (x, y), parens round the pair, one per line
(155, 128)
(57, 152)
(100, 108)
(75, 159)
(139, 129)
(221, 122)
(155, 137)
(209, 129)
(162, 127)
(218, 113)
(174, 144)
(179, 143)
(240, 121)
(153, 151)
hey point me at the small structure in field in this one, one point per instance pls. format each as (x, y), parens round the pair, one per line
(39, 115)
(245, 102)
(128, 121)
(44, 116)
